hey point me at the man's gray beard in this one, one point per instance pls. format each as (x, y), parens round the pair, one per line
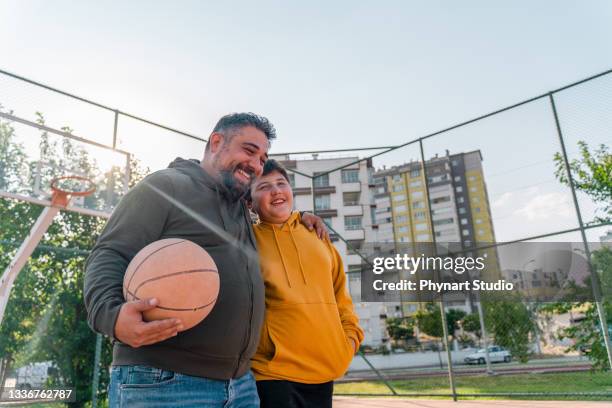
(236, 190)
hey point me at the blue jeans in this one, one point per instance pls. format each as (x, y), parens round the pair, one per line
(137, 386)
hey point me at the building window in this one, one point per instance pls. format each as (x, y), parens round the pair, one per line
(401, 219)
(397, 177)
(354, 247)
(418, 204)
(459, 189)
(400, 208)
(464, 221)
(472, 178)
(455, 163)
(477, 209)
(465, 232)
(457, 179)
(419, 215)
(480, 232)
(327, 221)
(462, 210)
(443, 221)
(350, 176)
(321, 181)
(460, 200)
(402, 229)
(478, 221)
(476, 199)
(415, 183)
(352, 222)
(398, 187)
(382, 190)
(291, 179)
(351, 198)
(420, 227)
(399, 197)
(415, 173)
(373, 215)
(440, 200)
(322, 202)
(354, 269)
(473, 189)
(422, 237)
(417, 195)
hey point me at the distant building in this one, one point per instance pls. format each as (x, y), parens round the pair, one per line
(460, 210)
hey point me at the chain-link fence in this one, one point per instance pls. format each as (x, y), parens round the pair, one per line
(484, 185)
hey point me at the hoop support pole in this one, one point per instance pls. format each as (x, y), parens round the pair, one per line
(23, 254)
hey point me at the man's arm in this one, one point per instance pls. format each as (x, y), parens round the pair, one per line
(315, 222)
(138, 220)
(350, 320)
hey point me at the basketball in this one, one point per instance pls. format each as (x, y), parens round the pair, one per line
(180, 274)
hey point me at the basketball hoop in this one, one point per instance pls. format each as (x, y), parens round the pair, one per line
(61, 196)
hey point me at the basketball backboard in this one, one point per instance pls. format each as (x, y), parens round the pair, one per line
(32, 155)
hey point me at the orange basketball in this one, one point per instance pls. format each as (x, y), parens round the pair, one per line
(180, 274)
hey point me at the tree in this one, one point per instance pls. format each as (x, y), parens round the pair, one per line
(471, 324)
(429, 320)
(592, 174)
(400, 329)
(509, 321)
(46, 317)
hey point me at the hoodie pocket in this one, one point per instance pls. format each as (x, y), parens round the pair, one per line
(266, 347)
(309, 342)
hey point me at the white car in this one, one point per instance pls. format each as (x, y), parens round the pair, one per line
(496, 354)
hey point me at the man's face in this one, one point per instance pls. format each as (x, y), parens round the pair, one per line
(241, 159)
(272, 198)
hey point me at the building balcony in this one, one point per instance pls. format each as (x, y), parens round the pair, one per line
(353, 234)
(326, 212)
(354, 259)
(352, 210)
(325, 190)
(302, 191)
(351, 187)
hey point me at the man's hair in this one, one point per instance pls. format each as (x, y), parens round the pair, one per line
(270, 167)
(232, 122)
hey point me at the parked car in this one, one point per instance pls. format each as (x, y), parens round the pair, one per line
(496, 355)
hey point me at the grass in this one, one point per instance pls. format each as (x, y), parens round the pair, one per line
(476, 384)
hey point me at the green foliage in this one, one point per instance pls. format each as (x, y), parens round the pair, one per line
(587, 333)
(592, 174)
(471, 323)
(45, 318)
(510, 323)
(429, 320)
(400, 329)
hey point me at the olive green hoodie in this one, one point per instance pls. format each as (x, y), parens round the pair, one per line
(183, 201)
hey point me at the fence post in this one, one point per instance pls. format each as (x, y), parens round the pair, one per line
(451, 375)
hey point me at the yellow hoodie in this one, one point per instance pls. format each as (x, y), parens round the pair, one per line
(309, 313)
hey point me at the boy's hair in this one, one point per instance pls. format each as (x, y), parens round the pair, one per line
(270, 167)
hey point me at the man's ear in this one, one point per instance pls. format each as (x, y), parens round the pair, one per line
(216, 141)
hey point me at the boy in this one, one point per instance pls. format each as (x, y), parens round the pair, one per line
(310, 332)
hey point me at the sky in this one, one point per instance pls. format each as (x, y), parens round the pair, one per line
(329, 75)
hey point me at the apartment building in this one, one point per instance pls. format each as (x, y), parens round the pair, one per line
(460, 211)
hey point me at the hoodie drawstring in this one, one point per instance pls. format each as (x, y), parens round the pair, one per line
(299, 257)
(281, 255)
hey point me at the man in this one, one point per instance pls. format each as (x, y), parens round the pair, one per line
(310, 332)
(155, 364)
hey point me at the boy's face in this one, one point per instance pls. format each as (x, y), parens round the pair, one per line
(272, 198)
